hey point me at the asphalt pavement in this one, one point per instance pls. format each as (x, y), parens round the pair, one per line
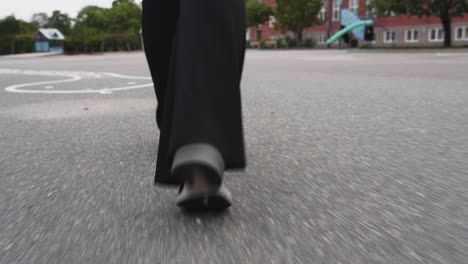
(353, 157)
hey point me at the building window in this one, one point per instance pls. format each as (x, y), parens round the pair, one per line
(336, 10)
(322, 16)
(321, 39)
(461, 33)
(436, 35)
(391, 14)
(354, 6)
(389, 37)
(271, 22)
(370, 10)
(412, 35)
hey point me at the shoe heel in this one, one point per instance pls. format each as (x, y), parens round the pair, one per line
(198, 159)
(198, 194)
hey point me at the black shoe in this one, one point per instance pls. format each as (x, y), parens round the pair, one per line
(200, 168)
(198, 193)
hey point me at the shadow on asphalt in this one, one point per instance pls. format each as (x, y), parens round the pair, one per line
(206, 215)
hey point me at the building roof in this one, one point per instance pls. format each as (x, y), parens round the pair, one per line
(51, 33)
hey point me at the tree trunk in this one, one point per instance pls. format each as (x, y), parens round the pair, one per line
(259, 33)
(13, 44)
(446, 19)
(127, 42)
(102, 44)
(299, 36)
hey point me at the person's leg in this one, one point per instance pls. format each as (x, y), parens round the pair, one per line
(201, 167)
(159, 28)
(198, 80)
(203, 100)
(207, 124)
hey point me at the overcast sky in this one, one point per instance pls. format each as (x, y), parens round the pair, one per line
(24, 9)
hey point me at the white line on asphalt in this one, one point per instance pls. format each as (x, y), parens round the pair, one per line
(73, 77)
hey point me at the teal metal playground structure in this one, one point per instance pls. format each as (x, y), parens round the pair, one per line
(349, 28)
(352, 23)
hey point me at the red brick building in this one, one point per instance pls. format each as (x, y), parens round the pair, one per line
(391, 31)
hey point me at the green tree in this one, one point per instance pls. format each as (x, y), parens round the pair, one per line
(122, 2)
(257, 13)
(115, 28)
(296, 15)
(9, 26)
(124, 20)
(94, 18)
(90, 26)
(26, 27)
(124, 15)
(60, 21)
(40, 20)
(444, 9)
(16, 36)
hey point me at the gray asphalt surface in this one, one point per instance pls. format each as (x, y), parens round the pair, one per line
(353, 158)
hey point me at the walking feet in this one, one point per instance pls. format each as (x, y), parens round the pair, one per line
(200, 167)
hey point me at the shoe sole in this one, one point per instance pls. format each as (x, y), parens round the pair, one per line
(209, 194)
(205, 203)
(204, 196)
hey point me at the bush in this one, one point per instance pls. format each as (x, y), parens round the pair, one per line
(96, 41)
(73, 44)
(366, 46)
(308, 43)
(263, 44)
(24, 44)
(5, 45)
(292, 42)
(280, 44)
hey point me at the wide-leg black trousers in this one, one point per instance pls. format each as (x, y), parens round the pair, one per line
(195, 50)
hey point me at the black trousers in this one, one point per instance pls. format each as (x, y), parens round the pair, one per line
(195, 50)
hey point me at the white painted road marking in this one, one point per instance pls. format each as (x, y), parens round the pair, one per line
(71, 77)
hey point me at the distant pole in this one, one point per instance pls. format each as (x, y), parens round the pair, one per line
(102, 42)
(141, 39)
(13, 43)
(330, 20)
(85, 20)
(339, 20)
(127, 42)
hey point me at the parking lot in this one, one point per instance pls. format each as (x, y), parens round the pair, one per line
(353, 157)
